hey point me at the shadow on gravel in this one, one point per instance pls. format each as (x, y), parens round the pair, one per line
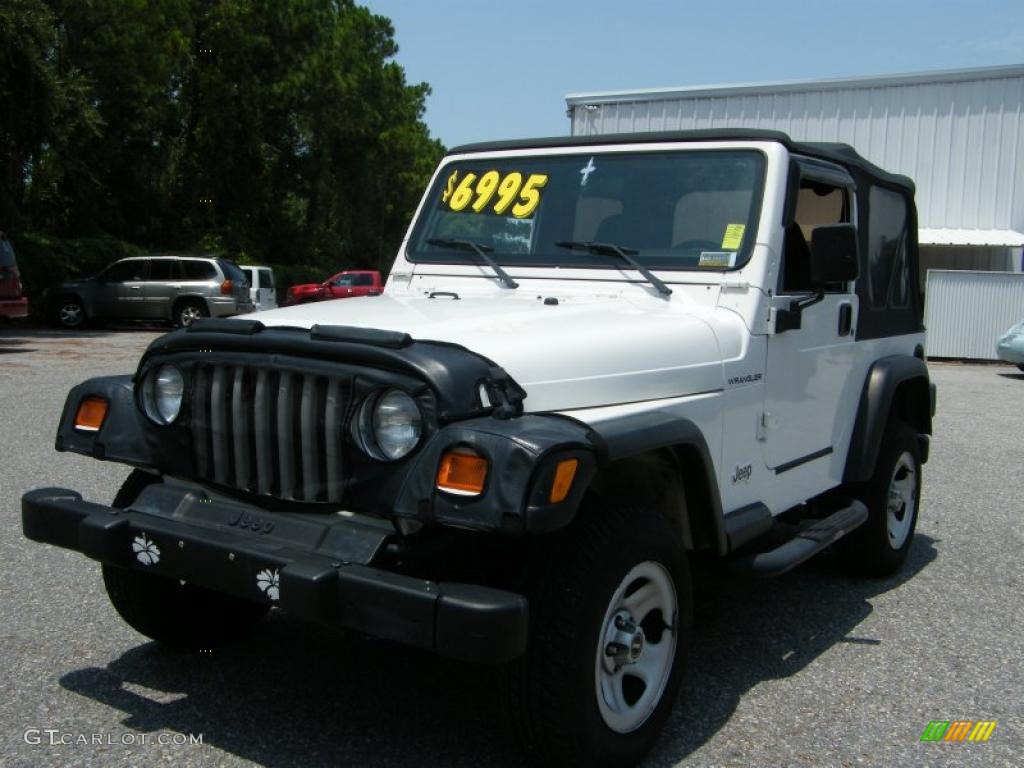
(298, 695)
(1017, 376)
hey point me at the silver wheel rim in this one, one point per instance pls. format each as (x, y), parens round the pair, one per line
(190, 314)
(632, 667)
(70, 315)
(901, 505)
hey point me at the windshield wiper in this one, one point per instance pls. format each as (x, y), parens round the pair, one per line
(479, 250)
(626, 254)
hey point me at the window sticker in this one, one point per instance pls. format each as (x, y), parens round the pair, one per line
(493, 192)
(733, 236)
(586, 170)
(717, 259)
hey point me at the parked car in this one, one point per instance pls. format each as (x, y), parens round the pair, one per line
(12, 303)
(262, 288)
(1010, 347)
(179, 289)
(597, 358)
(344, 285)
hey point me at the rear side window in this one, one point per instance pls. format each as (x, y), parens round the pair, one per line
(232, 271)
(163, 269)
(888, 275)
(266, 279)
(364, 280)
(193, 269)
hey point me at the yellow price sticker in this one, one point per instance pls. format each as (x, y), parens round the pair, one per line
(733, 236)
(475, 193)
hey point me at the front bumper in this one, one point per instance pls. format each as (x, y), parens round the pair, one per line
(313, 566)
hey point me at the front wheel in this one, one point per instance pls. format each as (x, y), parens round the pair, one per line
(69, 313)
(610, 612)
(892, 496)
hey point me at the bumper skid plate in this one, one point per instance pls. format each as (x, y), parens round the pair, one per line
(315, 568)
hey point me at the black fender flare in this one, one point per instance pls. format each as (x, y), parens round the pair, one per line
(120, 438)
(883, 379)
(640, 433)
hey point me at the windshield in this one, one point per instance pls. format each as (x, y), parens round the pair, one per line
(693, 210)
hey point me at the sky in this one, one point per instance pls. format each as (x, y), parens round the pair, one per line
(502, 70)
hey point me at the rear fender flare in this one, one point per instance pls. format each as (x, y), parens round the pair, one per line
(897, 379)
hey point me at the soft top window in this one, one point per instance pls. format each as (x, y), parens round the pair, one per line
(690, 210)
(888, 278)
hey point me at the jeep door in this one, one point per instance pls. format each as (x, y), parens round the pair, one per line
(810, 389)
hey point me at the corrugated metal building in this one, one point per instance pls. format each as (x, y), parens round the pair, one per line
(959, 134)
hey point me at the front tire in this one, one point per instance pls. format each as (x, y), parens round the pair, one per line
(182, 616)
(69, 313)
(610, 614)
(892, 495)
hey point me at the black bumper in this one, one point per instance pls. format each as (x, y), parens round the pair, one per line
(314, 567)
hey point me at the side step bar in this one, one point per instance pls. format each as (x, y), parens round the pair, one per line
(806, 543)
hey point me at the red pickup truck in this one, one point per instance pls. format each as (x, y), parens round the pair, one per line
(343, 285)
(12, 303)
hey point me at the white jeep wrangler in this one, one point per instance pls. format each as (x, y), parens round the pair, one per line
(593, 356)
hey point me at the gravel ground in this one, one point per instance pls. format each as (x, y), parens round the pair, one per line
(809, 669)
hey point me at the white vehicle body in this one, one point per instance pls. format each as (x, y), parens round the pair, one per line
(262, 288)
(777, 409)
(588, 360)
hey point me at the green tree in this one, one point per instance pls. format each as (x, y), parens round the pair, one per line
(279, 130)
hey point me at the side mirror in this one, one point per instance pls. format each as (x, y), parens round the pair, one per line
(833, 254)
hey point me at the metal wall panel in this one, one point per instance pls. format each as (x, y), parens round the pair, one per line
(965, 312)
(957, 134)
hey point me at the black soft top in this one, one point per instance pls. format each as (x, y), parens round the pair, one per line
(841, 154)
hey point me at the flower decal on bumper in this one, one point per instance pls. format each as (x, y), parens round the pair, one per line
(267, 581)
(146, 551)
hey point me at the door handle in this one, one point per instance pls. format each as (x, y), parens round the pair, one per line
(135, 287)
(845, 318)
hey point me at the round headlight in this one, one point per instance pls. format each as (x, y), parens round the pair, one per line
(389, 426)
(162, 394)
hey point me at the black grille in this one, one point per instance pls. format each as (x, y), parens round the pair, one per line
(270, 432)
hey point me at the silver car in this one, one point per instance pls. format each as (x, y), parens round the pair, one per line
(1010, 346)
(179, 289)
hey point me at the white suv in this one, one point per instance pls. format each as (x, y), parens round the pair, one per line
(592, 358)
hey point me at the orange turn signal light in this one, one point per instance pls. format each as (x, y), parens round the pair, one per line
(462, 473)
(90, 414)
(565, 473)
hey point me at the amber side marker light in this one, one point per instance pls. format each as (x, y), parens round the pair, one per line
(462, 473)
(90, 414)
(565, 473)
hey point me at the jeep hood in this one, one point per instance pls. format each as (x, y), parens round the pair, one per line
(579, 353)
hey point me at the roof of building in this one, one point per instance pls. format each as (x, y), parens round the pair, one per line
(842, 154)
(783, 86)
(998, 238)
